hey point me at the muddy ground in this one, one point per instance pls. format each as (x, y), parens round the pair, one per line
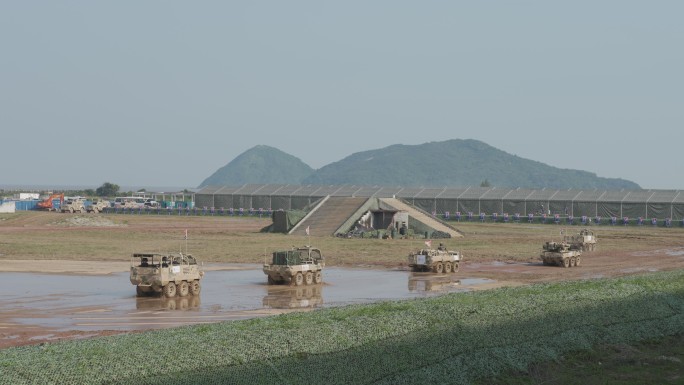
(42, 244)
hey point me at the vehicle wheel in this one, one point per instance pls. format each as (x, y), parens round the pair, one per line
(577, 261)
(71, 210)
(566, 262)
(183, 289)
(140, 292)
(447, 268)
(439, 268)
(308, 278)
(298, 279)
(195, 287)
(271, 281)
(572, 262)
(318, 277)
(170, 290)
(454, 268)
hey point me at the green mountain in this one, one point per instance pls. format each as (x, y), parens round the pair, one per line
(454, 163)
(260, 164)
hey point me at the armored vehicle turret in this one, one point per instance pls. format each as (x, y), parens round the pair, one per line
(560, 254)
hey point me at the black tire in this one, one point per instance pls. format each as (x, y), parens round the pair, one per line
(195, 287)
(183, 289)
(298, 279)
(439, 268)
(308, 278)
(170, 290)
(447, 268)
(318, 277)
(271, 281)
(454, 268)
(140, 292)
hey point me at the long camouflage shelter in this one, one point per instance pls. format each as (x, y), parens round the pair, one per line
(446, 201)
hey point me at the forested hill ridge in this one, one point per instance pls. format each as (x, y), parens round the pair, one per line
(451, 163)
(260, 164)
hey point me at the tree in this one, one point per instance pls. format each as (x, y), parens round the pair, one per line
(485, 183)
(107, 190)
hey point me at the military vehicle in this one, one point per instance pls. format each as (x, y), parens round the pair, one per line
(171, 274)
(298, 266)
(97, 206)
(438, 261)
(560, 254)
(73, 206)
(585, 240)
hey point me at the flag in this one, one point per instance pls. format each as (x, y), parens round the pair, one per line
(186, 234)
(307, 230)
(428, 243)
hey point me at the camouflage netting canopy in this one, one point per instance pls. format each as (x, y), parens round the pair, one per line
(445, 201)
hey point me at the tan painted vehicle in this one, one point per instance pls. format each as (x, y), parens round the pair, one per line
(97, 206)
(585, 240)
(298, 266)
(73, 206)
(171, 274)
(438, 261)
(560, 254)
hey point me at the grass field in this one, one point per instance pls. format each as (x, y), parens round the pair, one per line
(31, 235)
(654, 361)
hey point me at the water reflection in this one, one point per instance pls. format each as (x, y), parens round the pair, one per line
(418, 282)
(292, 297)
(163, 303)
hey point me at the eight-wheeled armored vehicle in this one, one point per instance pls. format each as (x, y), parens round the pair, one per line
(438, 261)
(171, 274)
(297, 266)
(560, 254)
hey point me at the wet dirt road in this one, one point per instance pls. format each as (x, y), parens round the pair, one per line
(42, 307)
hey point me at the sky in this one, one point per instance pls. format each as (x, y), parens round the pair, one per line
(164, 93)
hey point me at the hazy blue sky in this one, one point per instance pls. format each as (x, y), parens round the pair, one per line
(163, 93)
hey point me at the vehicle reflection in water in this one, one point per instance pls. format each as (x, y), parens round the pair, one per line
(160, 303)
(292, 297)
(418, 282)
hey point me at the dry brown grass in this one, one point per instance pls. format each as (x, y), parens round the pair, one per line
(41, 235)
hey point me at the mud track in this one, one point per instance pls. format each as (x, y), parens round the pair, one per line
(20, 323)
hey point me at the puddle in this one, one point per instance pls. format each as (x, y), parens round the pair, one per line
(89, 303)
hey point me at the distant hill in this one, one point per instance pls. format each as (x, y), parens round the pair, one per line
(455, 163)
(260, 164)
(452, 163)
